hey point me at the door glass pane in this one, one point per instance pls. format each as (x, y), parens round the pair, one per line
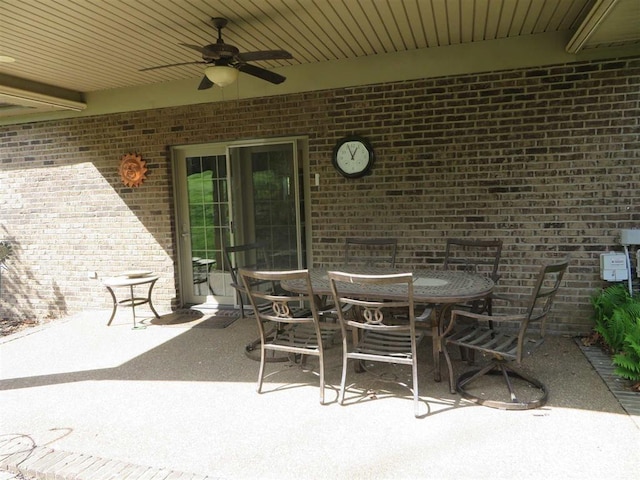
(274, 207)
(209, 219)
(270, 210)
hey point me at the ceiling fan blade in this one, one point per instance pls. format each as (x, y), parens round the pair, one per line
(205, 83)
(261, 73)
(197, 48)
(171, 65)
(264, 55)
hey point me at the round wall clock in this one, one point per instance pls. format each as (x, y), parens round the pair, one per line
(132, 170)
(353, 156)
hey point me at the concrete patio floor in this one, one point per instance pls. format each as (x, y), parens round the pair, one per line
(179, 401)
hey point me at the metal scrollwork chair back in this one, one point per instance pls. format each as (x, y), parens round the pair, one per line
(295, 315)
(378, 334)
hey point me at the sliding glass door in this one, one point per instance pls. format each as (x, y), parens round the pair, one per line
(232, 194)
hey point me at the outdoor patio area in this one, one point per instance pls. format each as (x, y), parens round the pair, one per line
(178, 399)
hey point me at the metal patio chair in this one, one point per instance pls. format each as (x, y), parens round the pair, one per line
(378, 334)
(475, 256)
(511, 337)
(250, 256)
(295, 316)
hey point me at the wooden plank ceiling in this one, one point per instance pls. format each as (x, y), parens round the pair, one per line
(91, 45)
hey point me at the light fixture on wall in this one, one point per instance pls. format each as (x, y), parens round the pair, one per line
(221, 75)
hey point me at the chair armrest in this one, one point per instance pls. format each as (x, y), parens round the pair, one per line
(425, 316)
(514, 300)
(481, 317)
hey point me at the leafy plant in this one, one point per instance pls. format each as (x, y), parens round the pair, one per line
(611, 318)
(628, 361)
(617, 321)
(5, 252)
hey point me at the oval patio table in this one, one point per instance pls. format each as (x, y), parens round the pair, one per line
(441, 289)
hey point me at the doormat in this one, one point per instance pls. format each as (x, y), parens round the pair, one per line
(191, 318)
(218, 321)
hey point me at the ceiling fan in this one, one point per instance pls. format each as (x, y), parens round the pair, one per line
(224, 61)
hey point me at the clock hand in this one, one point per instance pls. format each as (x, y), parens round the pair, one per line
(351, 151)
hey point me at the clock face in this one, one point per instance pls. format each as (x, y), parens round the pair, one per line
(353, 157)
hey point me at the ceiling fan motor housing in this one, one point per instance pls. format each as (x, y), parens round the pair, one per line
(219, 50)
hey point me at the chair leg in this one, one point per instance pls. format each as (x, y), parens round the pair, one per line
(452, 388)
(416, 395)
(261, 370)
(343, 381)
(442, 313)
(436, 357)
(321, 370)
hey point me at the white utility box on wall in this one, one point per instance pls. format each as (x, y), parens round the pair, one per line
(613, 266)
(628, 237)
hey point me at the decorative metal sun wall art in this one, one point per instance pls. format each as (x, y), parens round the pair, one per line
(133, 170)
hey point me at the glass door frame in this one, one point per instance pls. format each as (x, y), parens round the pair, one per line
(179, 154)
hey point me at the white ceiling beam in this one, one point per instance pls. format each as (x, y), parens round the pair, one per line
(25, 98)
(588, 27)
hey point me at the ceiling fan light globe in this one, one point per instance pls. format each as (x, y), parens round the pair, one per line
(221, 75)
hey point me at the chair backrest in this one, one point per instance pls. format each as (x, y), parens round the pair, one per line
(477, 256)
(285, 307)
(370, 252)
(251, 256)
(519, 315)
(379, 312)
(545, 289)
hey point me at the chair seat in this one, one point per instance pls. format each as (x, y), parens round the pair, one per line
(488, 340)
(394, 344)
(304, 337)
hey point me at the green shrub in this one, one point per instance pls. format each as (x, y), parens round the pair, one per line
(628, 361)
(617, 320)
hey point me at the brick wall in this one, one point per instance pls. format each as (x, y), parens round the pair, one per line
(547, 159)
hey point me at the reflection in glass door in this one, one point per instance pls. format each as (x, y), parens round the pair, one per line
(208, 206)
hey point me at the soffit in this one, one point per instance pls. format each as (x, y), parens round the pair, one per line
(70, 47)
